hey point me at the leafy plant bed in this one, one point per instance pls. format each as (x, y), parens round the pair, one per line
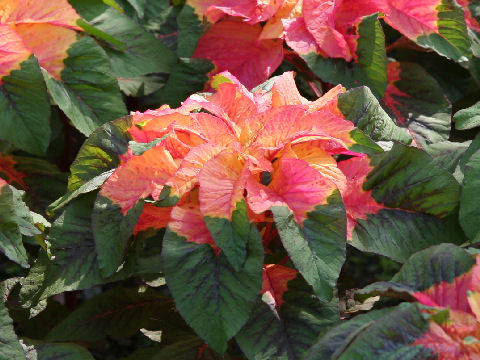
(239, 180)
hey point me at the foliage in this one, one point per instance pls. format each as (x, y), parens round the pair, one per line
(219, 179)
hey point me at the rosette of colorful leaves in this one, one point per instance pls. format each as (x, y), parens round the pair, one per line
(217, 171)
(226, 171)
(197, 163)
(442, 323)
(344, 42)
(329, 35)
(42, 49)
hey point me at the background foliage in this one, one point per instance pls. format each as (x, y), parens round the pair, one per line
(382, 265)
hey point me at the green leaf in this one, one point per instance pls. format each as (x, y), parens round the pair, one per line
(111, 231)
(144, 54)
(11, 348)
(188, 76)
(455, 81)
(415, 101)
(468, 118)
(113, 4)
(474, 65)
(25, 109)
(89, 186)
(406, 178)
(137, 5)
(100, 152)
(142, 85)
(386, 288)
(318, 248)
(187, 348)
(273, 333)
(472, 149)
(447, 154)
(370, 69)
(371, 53)
(74, 264)
(140, 148)
(36, 350)
(118, 313)
(436, 265)
(421, 201)
(452, 40)
(100, 35)
(44, 181)
(363, 143)
(232, 236)
(211, 296)
(88, 94)
(362, 108)
(37, 326)
(15, 221)
(469, 207)
(398, 234)
(380, 334)
(190, 29)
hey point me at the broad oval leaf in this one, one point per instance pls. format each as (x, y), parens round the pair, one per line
(275, 330)
(213, 298)
(415, 201)
(416, 102)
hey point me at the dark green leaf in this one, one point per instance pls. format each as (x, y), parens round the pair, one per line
(231, 236)
(212, 297)
(118, 313)
(35, 350)
(469, 206)
(362, 108)
(100, 35)
(38, 326)
(74, 264)
(433, 266)
(371, 53)
(25, 108)
(381, 334)
(15, 221)
(447, 154)
(189, 31)
(399, 234)
(89, 186)
(318, 248)
(44, 181)
(421, 201)
(111, 231)
(273, 333)
(10, 348)
(88, 94)
(188, 76)
(406, 178)
(144, 54)
(188, 348)
(142, 85)
(467, 118)
(416, 101)
(100, 152)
